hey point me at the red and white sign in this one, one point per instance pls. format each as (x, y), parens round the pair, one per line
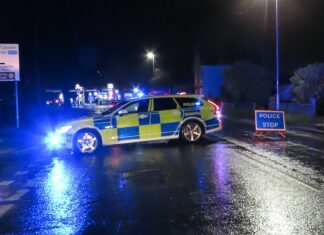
(9, 62)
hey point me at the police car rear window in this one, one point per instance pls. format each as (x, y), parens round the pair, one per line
(187, 102)
(164, 104)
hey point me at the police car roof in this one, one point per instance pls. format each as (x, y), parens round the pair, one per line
(174, 96)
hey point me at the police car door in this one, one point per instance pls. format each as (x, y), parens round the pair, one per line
(133, 121)
(165, 117)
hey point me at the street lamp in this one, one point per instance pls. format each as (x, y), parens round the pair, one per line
(277, 58)
(151, 56)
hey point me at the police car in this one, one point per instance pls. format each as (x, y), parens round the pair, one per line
(146, 119)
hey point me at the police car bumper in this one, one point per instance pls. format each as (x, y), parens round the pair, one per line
(55, 141)
(217, 128)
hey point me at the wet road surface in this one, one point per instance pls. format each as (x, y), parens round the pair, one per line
(231, 184)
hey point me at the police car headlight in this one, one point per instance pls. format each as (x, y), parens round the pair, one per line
(63, 129)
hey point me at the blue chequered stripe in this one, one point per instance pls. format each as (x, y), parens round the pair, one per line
(144, 121)
(155, 118)
(169, 128)
(101, 122)
(212, 123)
(128, 133)
(114, 122)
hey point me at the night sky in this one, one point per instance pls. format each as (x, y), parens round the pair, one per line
(64, 42)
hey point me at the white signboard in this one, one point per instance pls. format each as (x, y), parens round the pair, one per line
(9, 62)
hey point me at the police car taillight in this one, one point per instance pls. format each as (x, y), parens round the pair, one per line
(216, 110)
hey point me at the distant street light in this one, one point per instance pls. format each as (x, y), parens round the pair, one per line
(151, 56)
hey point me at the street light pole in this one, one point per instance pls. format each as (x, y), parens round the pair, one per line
(151, 56)
(277, 58)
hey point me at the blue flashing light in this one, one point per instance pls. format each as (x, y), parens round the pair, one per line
(140, 94)
(198, 103)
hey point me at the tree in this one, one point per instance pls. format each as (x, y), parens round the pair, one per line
(308, 82)
(245, 82)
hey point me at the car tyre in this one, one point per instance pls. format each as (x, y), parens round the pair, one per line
(192, 131)
(87, 142)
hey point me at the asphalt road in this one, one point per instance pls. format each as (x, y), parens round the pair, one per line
(231, 184)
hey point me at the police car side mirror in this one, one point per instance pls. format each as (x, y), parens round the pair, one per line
(122, 112)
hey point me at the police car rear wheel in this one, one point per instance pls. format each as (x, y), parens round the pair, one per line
(192, 131)
(87, 142)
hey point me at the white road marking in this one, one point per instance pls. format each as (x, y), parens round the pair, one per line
(21, 172)
(6, 182)
(310, 129)
(306, 147)
(6, 151)
(262, 162)
(4, 209)
(30, 184)
(25, 150)
(16, 196)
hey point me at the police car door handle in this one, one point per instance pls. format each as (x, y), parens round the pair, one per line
(142, 116)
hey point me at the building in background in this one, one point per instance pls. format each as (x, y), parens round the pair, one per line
(212, 77)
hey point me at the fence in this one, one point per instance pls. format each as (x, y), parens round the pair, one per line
(292, 108)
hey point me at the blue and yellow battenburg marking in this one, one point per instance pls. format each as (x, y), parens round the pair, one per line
(150, 125)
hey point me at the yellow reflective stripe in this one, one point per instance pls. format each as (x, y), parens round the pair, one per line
(87, 122)
(167, 116)
(109, 136)
(128, 120)
(150, 108)
(206, 113)
(152, 104)
(155, 130)
(178, 106)
(144, 131)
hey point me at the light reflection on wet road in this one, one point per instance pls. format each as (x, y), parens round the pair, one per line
(215, 187)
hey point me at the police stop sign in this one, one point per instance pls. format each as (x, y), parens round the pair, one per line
(268, 120)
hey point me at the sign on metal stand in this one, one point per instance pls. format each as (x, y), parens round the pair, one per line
(9, 69)
(270, 121)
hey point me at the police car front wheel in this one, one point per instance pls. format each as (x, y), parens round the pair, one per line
(87, 141)
(192, 131)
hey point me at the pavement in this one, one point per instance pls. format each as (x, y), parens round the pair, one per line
(15, 141)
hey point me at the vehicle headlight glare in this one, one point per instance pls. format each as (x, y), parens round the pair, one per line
(54, 141)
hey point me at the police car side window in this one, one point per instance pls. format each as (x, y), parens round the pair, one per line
(143, 106)
(138, 106)
(185, 102)
(164, 104)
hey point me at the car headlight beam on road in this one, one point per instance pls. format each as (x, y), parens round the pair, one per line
(63, 129)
